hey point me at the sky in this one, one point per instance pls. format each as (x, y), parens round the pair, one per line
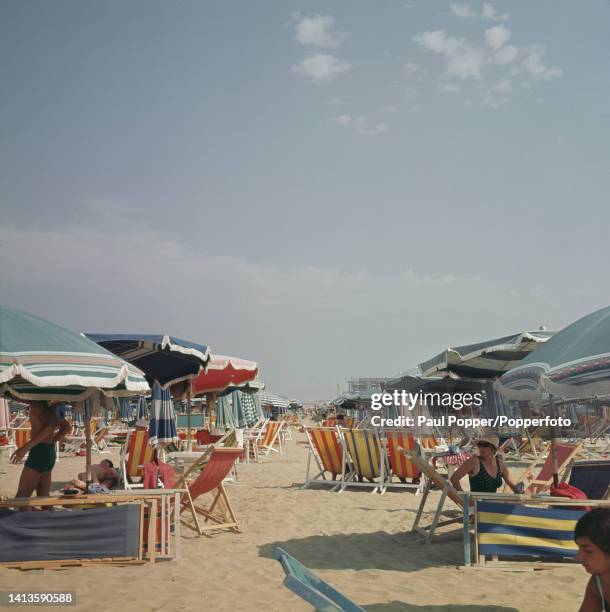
(333, 189)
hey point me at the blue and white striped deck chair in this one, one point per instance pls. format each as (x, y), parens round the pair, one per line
(311, 588)
(514, 530)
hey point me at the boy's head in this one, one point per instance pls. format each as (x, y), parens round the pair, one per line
(592, 535)
(108, 463)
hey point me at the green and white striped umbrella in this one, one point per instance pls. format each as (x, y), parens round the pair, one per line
(43, 361)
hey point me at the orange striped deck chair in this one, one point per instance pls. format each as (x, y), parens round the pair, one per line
(363, 448)
(401, 466)
(21, 435)
(270, 437)
(327, 451)
(219, 512)
(329, 422)
(428, 441)
(135, 454)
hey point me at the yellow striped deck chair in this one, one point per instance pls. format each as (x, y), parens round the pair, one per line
(135, 455)
(327, 451)
(515, 530)
(363, 448)
(428, 441)
(270, 437)
(22, 436)
(400, 465)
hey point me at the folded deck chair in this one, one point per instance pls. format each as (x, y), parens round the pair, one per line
(210, 479)
(311, 588)
(515, 530)
(269, 438)
(447, 490)
(327, 451)
(363, 448)
(134, 455)
(592, 478)
(544, 479)
(401, 466)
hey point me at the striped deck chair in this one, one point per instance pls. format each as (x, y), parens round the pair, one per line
(75, 443)
(20, 437)
(327, 451)
(270, 437)
(447, 491)
(363, 448)
(134, 455)
(311, 588)
(329, 423)
(591, 477)
(514, 530)
(210, 479)
(401, 466)
(99, 443)
(544, 479)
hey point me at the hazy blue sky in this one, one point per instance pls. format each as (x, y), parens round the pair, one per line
(333, 189)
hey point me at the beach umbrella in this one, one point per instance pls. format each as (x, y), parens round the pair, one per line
(162, 429)
(269, 399)
(5, 417)
(487, 359)
(252, 411)
(164, 359)
(223, 372)
(40, 360)
(239, 412)
(124, 409)
(224, 413)
(142, 408)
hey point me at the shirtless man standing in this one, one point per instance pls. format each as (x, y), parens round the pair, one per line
(47, 430)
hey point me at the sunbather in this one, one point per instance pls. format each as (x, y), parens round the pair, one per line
(485, 470)
(102, 473)
(592, 535)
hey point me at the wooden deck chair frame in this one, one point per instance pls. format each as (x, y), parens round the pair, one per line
(126, 474)
(320, 477)
(396, 445)
(447, 491)
(349, 472)
(226, 519)
(266, 448)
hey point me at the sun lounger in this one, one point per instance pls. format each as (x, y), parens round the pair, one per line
(543, 480)
(134, 455)
(592, 478)
(401, 466)
(310, 587)
(447, 490)
(327, 451)
(363, 449)
(210, 480)
(269, 437)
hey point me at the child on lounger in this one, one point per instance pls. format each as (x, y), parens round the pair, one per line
(592, 534)
(101, 473)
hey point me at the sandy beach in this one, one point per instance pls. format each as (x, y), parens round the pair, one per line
(357, 541)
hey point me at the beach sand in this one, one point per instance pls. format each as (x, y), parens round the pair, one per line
(356, 541)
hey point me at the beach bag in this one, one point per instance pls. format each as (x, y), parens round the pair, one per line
(563, 489)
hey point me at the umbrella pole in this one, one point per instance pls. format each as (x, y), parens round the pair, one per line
(554, 449)
(189, 408)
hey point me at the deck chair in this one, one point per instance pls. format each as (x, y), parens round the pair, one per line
(99, 443)
(400, 465)
(311, 588)
(591, 477)
(135, 454)
(447, 491)
(327, 451)
(210, 479)
(21, 436)
(269, 437)
(74, 443)
(363, 449)
(543, 480)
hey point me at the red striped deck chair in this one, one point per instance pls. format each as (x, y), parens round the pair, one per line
(270, 437)
(219, 512)
(401, 466)
(428, 441)
(135, 454)
(327, 451)
(544, 479)
(329, 423)
(363, 448)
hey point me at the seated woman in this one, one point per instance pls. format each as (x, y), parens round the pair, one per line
(102, 473)
(485, 470)
(592, 535)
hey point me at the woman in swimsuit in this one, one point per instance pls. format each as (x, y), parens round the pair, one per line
(592, 535)
(485, 470)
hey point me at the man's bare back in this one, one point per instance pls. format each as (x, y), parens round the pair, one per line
(40, 418)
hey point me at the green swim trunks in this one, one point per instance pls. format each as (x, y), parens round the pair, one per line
(41, 458)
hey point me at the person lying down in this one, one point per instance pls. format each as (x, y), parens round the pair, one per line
(103, 474)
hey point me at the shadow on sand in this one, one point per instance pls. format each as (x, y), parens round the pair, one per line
(400, 552)
(399, 606)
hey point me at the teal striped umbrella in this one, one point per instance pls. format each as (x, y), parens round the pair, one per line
(224, 413)
(43, 361)
(239, 412)
(573, 364)
(251, 410)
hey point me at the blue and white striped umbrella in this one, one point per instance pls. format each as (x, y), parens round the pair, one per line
(124, 409)
(142, 408)
(162, 429)
(224, 413)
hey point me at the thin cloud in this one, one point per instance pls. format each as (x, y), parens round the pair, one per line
(362, 126)
(497, 36)
(321, 67)
(489, 12)
(449, 88)
(534, 65)
(462, 10)
(317, 31)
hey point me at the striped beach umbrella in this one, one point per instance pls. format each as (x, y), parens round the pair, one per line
(142, 409)
(222, 373)
(239, 412)
(124, 409)
(573, 364)
(487, 359)
(164, 359)
(224, 413)
(162, 429)
(252, 412)
(43, 361)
